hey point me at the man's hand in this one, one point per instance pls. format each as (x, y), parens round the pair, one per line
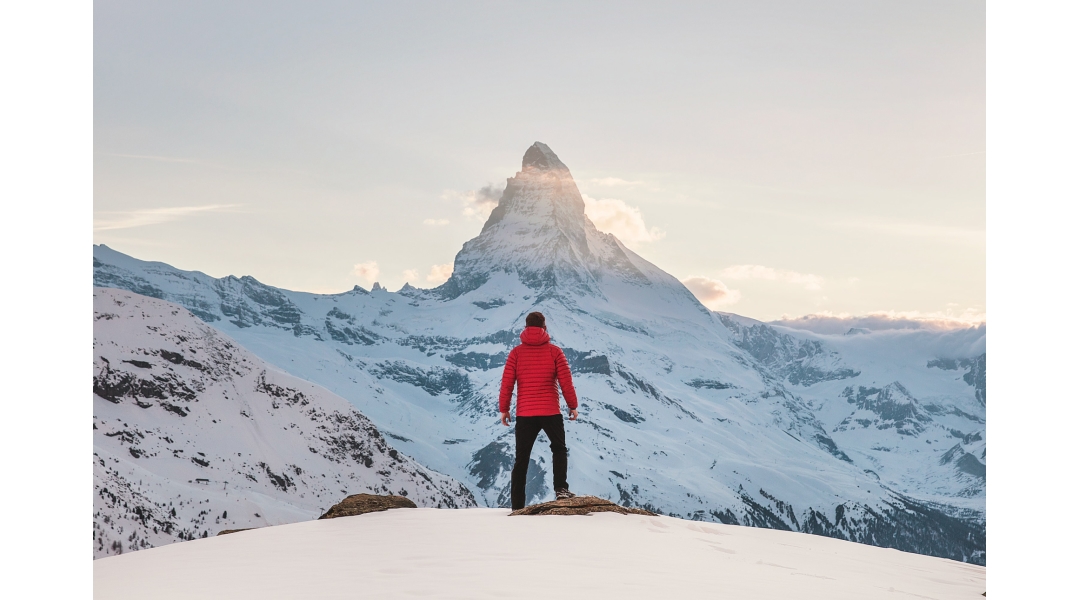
(505, 418)
(573, 414)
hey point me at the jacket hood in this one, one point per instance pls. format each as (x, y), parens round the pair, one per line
(535, 336)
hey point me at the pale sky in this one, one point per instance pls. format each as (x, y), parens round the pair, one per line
(783, 158)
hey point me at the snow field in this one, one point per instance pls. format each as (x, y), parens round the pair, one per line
(480, 553)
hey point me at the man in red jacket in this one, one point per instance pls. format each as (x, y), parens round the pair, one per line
(536, 366)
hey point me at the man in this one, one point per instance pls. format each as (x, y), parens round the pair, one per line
(536, 366)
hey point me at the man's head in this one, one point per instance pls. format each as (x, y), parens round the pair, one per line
(535, 319)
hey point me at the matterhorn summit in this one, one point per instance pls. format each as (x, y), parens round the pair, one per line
(539, 233)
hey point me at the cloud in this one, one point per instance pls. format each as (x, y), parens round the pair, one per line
(613, 181)
(437, 222)
(367, 270)
(840, 323)
(624, 222)
(476, 204)
(110, 220)
(742, 272)
(410, 275)
(958, 235)
(440, 273)
(711, 292)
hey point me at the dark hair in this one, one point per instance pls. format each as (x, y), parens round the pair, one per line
(535, 319)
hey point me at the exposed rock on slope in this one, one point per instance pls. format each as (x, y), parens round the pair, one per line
(579, 505)
(228, 531)
(193, 434)
(359, 504)
(975, 375)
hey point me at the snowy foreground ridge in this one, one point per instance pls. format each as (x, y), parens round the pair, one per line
(876, 437)
(482, 553)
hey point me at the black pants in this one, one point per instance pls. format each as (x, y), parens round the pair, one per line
(525, 431)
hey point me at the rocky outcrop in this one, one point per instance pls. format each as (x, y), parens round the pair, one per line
(579, 505)
(228, 531)
(358, 504)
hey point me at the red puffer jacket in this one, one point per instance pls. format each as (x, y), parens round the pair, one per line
(535, 366)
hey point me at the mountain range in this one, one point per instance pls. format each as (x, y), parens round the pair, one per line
(875, 437)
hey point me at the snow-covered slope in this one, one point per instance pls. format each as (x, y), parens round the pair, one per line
(193, 435)
(878, 438)
(481, 553)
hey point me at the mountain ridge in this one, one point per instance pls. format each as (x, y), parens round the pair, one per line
(193, 434)
(698, 414)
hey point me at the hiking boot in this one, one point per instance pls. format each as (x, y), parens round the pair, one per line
(563, 494)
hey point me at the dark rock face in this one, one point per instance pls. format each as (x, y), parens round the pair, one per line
(964, 462)
(433, 380)
(580, 505)
(976, 375)
(477, 360)
(488, 305)
(540, 157)
(358, 504)
(709, 384)
(489, 462)
(587, 362)
(892, 407)
(622, 415)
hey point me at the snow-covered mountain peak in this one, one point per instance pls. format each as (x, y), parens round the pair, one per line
(542, 196)
(540, 236)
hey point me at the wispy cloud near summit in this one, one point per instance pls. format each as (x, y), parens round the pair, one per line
(624, 222)
(712, 292)
(440, 273)
(477, 204)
